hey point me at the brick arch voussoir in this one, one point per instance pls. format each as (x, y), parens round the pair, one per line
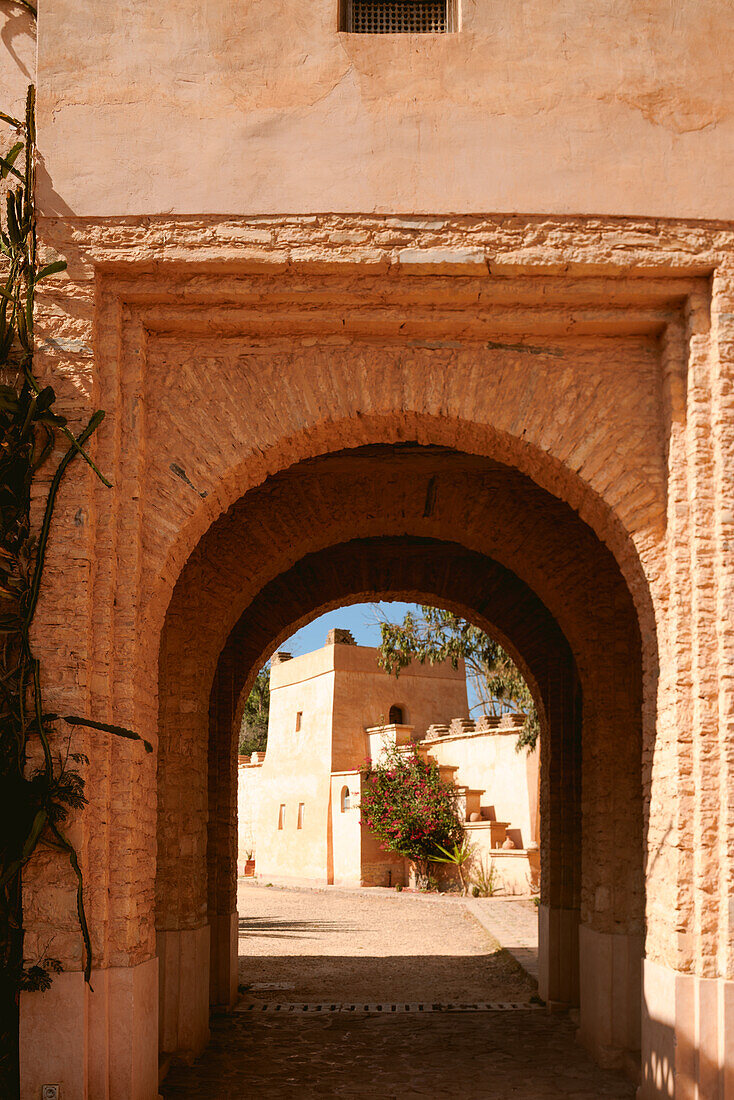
(482, 440)
(370, 493)
(447, 496)
(423, 571)
(486, 594)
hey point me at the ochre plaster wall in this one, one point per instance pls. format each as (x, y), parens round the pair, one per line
(364, 693)
(339, 690)
(297, 769)
(346, 830)
(623, 108)
(248, 806)
(509, 778)
(17, 71)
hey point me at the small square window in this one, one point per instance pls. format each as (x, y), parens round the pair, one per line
(398, 16)
(300, 815)
(299, 716)
(281, 816)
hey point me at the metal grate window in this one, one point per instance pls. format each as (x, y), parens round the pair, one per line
(398, 16)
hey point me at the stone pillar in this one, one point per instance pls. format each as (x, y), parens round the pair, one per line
(222, 834)
(182, 928)
(183, 1023)
(558, 955)
(688, 973)
(558, 914)
(687, 1036)
(610, 968)
(94, 1044)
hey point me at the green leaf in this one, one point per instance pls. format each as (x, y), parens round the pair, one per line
(13, 228)
(23, 330)
(10, 120)
(6, 344)
(106, 727)
(6, 163)
(50, 269)
(32, 839)
(46, 398)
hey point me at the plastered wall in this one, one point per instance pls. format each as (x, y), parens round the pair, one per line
(338, 691)
(509, 778)
(248, 806)
(364, 693)
(621, 107)
(297, 770)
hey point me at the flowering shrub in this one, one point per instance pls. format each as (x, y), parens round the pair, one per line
(408, 807)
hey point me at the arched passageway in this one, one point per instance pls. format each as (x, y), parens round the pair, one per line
(468, 533)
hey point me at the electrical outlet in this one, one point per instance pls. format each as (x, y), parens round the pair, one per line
(51, 1092)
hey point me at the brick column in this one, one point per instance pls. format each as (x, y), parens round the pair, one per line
(222, 835)
(560, 817)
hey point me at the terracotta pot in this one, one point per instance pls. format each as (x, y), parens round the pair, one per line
(249, 867)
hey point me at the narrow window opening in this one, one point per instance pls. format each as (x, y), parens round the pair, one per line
(398, 16)
(395, 716)
(299, 716)
(281, 816)
(299, 824)
(346, 803)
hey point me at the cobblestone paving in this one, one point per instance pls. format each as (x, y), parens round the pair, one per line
(476, 1056)
(322, 946)
(513, 922)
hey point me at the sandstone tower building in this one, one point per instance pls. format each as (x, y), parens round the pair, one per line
(335, 708)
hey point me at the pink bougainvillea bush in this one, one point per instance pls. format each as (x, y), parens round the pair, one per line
(408, 807)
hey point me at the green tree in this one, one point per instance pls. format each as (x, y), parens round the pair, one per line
(254, 728)
(436, 636)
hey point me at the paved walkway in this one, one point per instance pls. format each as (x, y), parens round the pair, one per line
(475, 1056)
(321, 946)
(342, 945)
(513, 922)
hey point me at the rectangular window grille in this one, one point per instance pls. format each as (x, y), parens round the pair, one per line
(398, 16)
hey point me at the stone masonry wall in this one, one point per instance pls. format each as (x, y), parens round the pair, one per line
(592, 355)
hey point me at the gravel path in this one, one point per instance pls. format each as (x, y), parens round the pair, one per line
(321, 945)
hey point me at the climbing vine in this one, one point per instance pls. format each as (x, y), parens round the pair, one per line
(38, 786)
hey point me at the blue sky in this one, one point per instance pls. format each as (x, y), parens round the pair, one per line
(362, 620)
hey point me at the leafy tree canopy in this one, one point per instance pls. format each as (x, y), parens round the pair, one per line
(435, 636)
(254, 729)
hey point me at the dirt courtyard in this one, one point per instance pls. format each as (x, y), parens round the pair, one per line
(329, 945)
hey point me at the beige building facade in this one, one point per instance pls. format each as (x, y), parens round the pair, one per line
(335, 708)
(445, 318)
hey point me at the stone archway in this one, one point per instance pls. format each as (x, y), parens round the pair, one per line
(466, 532)
(587, 355)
